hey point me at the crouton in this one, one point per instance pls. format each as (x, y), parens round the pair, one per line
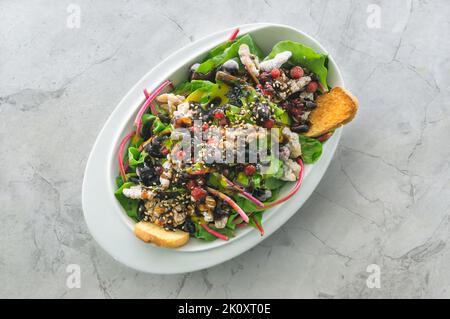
(157, 235)
(334, 109)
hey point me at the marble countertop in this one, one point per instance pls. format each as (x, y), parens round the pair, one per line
(384, 201)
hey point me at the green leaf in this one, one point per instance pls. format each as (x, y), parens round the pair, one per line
(273, 183)
(216, 181)
(135, 157)
(280, 114)
(311, 149)
(130, 205)
(189, 87)
(304, 56)
(247, 205)
(230, 223)
(258, 216)
(242, 179)
(275, 169)
(221, 56)
(159, 126)
(201, 233)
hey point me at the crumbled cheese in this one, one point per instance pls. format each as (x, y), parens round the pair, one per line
(291, 171)
(293, 142)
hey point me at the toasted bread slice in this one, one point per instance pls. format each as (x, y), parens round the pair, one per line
(334, 108)
(150, 232)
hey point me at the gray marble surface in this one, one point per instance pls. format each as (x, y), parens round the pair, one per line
(385, 199)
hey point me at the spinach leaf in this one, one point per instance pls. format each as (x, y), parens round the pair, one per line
(230, 223)
(311, 149)
(189, 87)
(135, 157)
(273, 183)
(221, 56)
(130, 205)
(207, 93)
(305, 57)
(275, 168)
(201, 233)
(258, 216)
(247, 205)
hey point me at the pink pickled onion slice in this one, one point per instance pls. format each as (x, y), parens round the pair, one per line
(293, 190)
(213, 232)
(234, 35)
(121, 149)
(147, 103)
(230, 202)
(249, 196)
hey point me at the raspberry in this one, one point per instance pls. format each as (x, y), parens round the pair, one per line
(296, 72)
(269, 123)
(275, 73)
(249, 170)
(219, 115)
(198, 193)
(312, 87)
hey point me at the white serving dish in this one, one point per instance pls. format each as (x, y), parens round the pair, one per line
(110, 225)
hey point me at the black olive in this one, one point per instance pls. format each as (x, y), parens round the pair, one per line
(301, 128)
(310, 105)
(215, 102)
(220, 210)
(164, 118)
(154, 147)
(210, 76)
(134, 179)
(231, 67)
(189, 226)
(263, 113)
(146, 174)
(141, 211)
(146, 131)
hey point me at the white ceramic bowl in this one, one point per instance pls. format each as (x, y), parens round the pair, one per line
(108, 222)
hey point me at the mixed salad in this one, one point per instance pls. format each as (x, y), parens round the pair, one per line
(234, 86)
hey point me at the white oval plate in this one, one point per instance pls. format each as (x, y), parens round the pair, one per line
(107, 221)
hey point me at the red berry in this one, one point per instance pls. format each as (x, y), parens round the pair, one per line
(219, 115)
(296, 72)
(191, 184)
(275, 73)
(269, 123)
(312, 87)
(249, 170)
(198, 193)
(205, 126)
(164, 150)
